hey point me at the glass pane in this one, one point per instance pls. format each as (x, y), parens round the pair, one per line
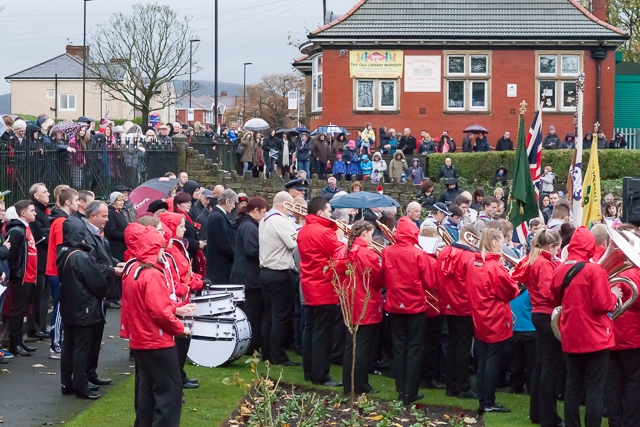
(320, 64)
(319, 82)
(569, 98)
(548, 64)
(387, 94)
(456, 94)
(478, 65)
(548, 94)
(319, 100)
(478, 94)
(365, 94)
(63, 102)
(570, 64)
(456, 64)
(72, 102)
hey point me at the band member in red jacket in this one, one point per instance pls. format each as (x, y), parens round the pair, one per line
(536, 272)
(358, 258)
(408, 273)
(451, 275)
(490, 290)
(585, 326)
(317, 242)
(148, 317)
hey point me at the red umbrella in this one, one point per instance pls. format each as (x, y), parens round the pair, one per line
(476, 129)
(154, 189)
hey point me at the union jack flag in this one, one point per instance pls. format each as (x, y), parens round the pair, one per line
(534, 150)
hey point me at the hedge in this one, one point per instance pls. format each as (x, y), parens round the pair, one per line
(614, 164)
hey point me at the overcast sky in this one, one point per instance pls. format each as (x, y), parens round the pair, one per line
(250, 31)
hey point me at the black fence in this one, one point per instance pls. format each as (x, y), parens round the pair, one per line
(219, 150)
(98, 168)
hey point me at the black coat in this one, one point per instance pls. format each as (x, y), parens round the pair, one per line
(104, 260)
(427, 202)
(17, 260)
(84, 285)
(246, 258)
(504, 144)
(407, 144)
(40, 230)
(196, 209)
(220, 247)
(114, 232)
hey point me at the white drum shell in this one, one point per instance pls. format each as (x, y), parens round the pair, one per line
(236, 290)
(214, 305)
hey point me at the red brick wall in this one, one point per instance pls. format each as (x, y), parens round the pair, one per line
(508, 66)
(198, 115)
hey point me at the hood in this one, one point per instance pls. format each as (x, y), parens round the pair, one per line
(450, 263)
(588, 134)
(31, 130)
(582, 245)
(415, 159)
(190, 187)
(382, 131)
(451, 181)
(15, 223)
(143, 242)
(506, 171)
(569, 136)
(377, 156)
(407, 231)
(171, 220)
(241, 219)
(73, 231)
(399, 153)
(57, 212)
(355, 158)
(364, 158)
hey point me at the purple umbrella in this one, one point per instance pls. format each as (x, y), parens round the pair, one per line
(67, 127)
(154, 189)
(476, 129)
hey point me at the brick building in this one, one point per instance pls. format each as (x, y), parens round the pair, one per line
(435, 65)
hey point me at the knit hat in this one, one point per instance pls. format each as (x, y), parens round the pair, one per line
(114, 196)
(181, 198)
(20, 125)
(338, 156)
(552, 127)
(352, 143)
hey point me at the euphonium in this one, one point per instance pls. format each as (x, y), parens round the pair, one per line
(446, 237)
(620, 256)
(296, 208)
(386, 232)
(471, 239)
(346, 229)
(512, 261)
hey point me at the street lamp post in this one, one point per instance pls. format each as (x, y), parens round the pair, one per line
(244, 92)
(84, 58)
(191, 42)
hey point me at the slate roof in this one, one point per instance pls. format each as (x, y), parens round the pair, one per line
(66, 66)
(469, 19)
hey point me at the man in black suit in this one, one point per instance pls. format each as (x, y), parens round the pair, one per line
(407, 143)
(220, 239)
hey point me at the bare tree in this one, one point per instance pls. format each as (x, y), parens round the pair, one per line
(625, 14)
(135, 56)
(268, 99)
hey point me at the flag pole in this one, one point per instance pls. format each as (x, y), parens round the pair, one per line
(575, 171)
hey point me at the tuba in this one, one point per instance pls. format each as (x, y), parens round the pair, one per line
(620, 256)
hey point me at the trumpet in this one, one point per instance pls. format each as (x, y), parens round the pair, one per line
(386, 232)
(444, 234)
(295, 208)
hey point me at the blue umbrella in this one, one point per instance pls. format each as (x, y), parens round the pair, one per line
(330, 128)
(363, 200)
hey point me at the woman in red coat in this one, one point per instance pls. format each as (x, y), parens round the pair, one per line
(536, 272)
(490, 290)
(408, 273)
(358, 258)
(586, 328)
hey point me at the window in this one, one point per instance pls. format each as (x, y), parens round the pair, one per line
(209, 117)
(556, 80)
(316, 84)
(376, 95)
(365, 95)
(51, 93)
(387, 96)
(67, 102)
(468, 81)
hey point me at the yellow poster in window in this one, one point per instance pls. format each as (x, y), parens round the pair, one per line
(375, 64)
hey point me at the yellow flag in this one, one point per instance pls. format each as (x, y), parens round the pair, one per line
(591, 208)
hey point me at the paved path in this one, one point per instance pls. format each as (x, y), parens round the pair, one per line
(30, 397)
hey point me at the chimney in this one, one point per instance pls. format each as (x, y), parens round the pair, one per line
(76, 50)
(599, 9)
(223, 93)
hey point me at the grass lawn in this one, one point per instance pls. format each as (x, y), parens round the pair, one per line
(212, 403)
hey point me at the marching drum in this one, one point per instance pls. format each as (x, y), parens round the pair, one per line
(236, 290)
(214, 305)
(219, 340)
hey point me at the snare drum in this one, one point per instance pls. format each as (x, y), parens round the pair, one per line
(214, 305)
(219, 340)
(236, 290)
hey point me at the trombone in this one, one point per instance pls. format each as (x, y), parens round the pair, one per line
(444, 234)
(386, 232)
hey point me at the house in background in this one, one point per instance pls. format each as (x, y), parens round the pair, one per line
(436, 65)
(54, 87)
(203, 107)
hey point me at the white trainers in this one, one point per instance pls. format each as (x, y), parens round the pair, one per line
(54, 354)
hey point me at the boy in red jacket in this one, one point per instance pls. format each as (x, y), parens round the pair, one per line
(585, 326)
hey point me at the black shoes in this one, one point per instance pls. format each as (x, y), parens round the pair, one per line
(192, 380)
(408, 400)
(113, 305)
(469, 394)
(433, 384)
(67, 391)
(92, 386)
(19, 351)
(189, 385)
(27, 348)
(38, 334)
(101, 381)
(496, 407)
(330, 384)
(90, 396)
(290, 363)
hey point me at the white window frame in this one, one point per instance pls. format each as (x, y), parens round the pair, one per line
(316, 83)
(561, 71)
(464, 95)
(540, 73)
(485, 107)
(468, 78)
(559, 77)
(51, 93)
(464, 63)
(562, 106)
(374, 103)
(381, 107)
(486, 58)
(555, 94)
(209, 117)
(68, 96)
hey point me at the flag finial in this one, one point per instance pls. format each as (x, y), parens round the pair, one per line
(523, 107)
(596, 127)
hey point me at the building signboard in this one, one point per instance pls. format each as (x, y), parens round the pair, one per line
(422, 73)
(375, 64)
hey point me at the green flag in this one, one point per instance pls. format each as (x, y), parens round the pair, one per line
(522, 197)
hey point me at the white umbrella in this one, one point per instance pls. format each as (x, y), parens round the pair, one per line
(256, 124)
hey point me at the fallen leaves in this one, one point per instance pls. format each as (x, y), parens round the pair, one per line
(111, 337)
(4, 371)
(38, 365)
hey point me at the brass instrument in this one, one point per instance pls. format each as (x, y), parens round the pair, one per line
(295, 208)
(444, 234)
(512, 261)
(346, 229)
(620, 256)
(471, 239)
(386, 232)
(429, 294)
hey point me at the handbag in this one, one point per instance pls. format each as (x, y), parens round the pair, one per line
(240, 150)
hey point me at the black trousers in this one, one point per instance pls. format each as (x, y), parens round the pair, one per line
(432, 348)
(21, 299)
(489, 355)
(522, 354)
(158, 388)
(182, 346)
(94, 352)
(407, 335)
(549, 359)
(459, 353)
(254, 309)
(317, 339)
(37, 321)
(278, 293)
(298, 317)
(622, 389)
(366, 338)
(339, 338)
(74, 359)
(585, 372)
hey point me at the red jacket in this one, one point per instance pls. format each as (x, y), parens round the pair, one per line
(625, 327)
(148, 314)
(362, 259)
(451, 274)
(317, 242)
(490, 291)
(585, 324)
(538, 278)
(55, 239)
(408, 271)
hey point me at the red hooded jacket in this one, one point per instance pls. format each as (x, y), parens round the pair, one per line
(490, 291)
(625, 327)
(317, 242)
(451, 274)
(362, 259)
(148, 314)
(408, 271)
(538, 278)
(585, 324)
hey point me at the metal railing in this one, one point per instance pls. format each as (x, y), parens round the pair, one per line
(632, 136)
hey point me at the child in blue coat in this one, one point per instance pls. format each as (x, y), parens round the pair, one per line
(415, 172)
(366, 166)
(354, 167)
(339, 168)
